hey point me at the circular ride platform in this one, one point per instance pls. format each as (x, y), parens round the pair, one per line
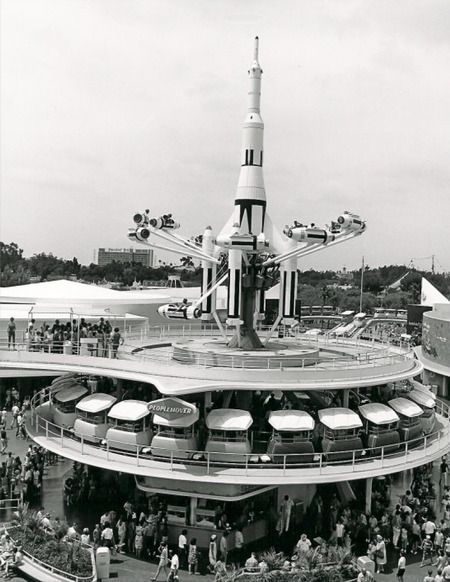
(215, 352)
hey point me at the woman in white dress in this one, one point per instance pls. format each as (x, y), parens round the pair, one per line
(380, 554)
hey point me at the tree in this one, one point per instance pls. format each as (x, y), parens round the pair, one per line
(186, 262)
(10, 254)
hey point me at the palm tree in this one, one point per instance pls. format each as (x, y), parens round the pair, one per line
(186, 262)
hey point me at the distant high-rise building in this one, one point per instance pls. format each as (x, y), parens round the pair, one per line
(142, 256)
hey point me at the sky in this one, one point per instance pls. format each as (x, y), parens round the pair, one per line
(112, 106)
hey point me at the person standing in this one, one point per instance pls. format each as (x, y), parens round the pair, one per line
(192, 556)
(116, 341)
(11, 333)
(3, 440)
(174, 566)
(238, 547)
(286, 509)
(212, 552)
(224, 547)
(444, 471)
(182, 548)
(380, 554)
(15, 412)
(401, 566)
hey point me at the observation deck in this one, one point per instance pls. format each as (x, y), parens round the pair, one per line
(251, 469)
(293, 363)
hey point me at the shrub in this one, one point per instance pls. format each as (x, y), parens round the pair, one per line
(52, 549)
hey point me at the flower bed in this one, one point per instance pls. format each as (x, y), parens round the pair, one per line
(333, 565)
(52, 549)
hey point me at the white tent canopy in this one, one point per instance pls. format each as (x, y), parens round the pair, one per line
(430, 296)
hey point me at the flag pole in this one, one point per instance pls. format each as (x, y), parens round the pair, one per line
(361, 289)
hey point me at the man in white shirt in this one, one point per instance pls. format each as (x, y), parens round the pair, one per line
(429, 527)
(108, 536)
(182, 548)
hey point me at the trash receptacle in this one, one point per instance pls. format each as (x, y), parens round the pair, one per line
(102, 561)
(67, 348)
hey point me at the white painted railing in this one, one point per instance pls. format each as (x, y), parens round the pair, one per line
(210, 463)
(362, 357)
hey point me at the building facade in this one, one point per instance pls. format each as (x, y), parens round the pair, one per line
(142, 256)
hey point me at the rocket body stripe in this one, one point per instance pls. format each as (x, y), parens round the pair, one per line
(209, 275)
(288, 286)
(234, 284)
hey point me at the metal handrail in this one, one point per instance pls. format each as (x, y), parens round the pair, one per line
(211, 460)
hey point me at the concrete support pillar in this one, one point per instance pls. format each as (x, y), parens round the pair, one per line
(368, 504)
(193, 511)
(345, 398)
(208, 401)
(119, 389)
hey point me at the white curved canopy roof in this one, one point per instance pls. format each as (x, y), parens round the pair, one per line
(180, 422)
(129, 410)
(95, 403)
(405, 407)
(421, 398)
(291, 420)
(339, 418)
(71, 393)
(229, 419)
(378, 413)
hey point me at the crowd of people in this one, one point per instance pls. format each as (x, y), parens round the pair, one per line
(55, 337)
(19, 478)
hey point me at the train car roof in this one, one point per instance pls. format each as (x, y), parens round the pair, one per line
(95, 403)
(180, 422)
(339, 418)
(405, 407)
(421, 398)
(291, 420)
(129, 410)
(70, 393)
(378, 413)
(229, 419)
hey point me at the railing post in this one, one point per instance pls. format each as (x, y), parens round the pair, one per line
(137, 455)
(284, 464)
(425, 444)
(207, 463)
(353, 459)
(320, 463)
(82, 445)
(382, 455)
(406, 450)
(246, 464)
(62, 437)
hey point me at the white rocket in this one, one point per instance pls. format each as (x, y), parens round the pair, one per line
(254, 246)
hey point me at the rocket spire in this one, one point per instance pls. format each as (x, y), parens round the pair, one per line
(256, 50)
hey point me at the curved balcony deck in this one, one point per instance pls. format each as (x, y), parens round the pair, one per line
(250, 469)
(355, 364)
